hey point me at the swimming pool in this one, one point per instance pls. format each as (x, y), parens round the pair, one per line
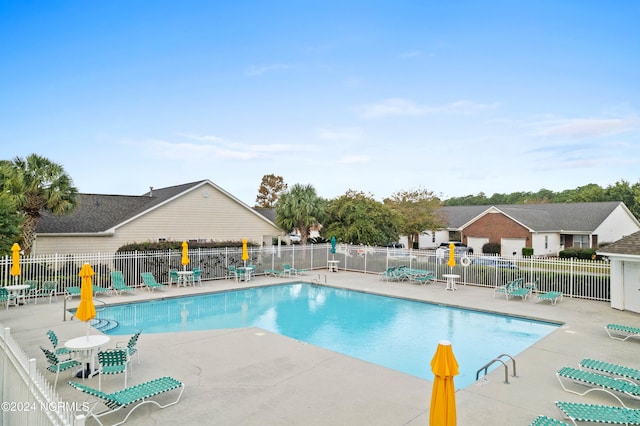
(395, 333)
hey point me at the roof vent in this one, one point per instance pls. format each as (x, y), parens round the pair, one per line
(151, 191)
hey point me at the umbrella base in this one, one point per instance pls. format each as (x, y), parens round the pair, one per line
(86, 373)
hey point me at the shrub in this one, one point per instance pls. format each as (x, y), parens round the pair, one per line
(177, 245)
(527, 251)
(491, 248)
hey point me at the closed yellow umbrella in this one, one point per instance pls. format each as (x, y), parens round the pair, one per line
(245, 251)
(86, 310)
(15, 260)
(443, 394)
(452, 255)
(185, 255)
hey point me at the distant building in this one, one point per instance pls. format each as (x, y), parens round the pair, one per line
(547, 228)
(197, 211)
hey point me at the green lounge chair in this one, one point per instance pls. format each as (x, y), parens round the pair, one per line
(72, 291)
(579, 412)
(513, 289)
(551, 296)
(601, 382)
(388, 274)
(149, 281)
(272, 272)
(612, 369)
(138, 395)
(422, 277)
(547, 421)
(621, 332)
(118, 284)
(97, 290)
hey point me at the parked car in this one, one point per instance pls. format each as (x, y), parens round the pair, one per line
(395, 245)
(494, 262)
(294, 238)
(458, 247)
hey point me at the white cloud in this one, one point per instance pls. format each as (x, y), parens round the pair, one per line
(354, 159)
(581, 128)
(405, 107)
(254, 70)
(347, 133)
(411, 54)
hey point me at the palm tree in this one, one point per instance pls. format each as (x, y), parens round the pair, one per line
(36, 184)
(300, 208)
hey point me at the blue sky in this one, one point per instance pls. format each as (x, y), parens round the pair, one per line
(377, 96)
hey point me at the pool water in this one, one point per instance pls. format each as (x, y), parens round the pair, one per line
(391, 332)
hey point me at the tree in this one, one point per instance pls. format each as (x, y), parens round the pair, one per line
(357, 218)
(271, 188)
(36, 184)
(416, 210)
(10, 222)
(300, 208)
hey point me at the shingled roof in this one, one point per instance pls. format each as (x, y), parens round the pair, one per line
(565, 217)
(96, 213)
(629, 245)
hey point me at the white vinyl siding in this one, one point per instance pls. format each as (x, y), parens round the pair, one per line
(193, 215)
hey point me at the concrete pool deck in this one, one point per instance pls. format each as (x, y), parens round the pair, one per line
(254, 377)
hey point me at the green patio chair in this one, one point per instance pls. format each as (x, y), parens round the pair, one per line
(134, 396)
(49, 288)
(58, 350)
(131, 347)
(232, 272)
(6, 297)
(196, 277)
(112, 361)
(31, 294)
(56, 365)
(174, 278)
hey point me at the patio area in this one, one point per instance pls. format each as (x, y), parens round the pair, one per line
(253, 377)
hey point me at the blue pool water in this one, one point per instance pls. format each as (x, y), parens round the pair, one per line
(395, 333)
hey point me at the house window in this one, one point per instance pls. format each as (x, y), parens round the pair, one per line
(546, 241)
(162, 240)
(581, 241)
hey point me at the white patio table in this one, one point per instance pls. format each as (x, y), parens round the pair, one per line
(87, 344)
(17, 290)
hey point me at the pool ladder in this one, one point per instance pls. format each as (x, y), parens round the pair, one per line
(504, 364)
